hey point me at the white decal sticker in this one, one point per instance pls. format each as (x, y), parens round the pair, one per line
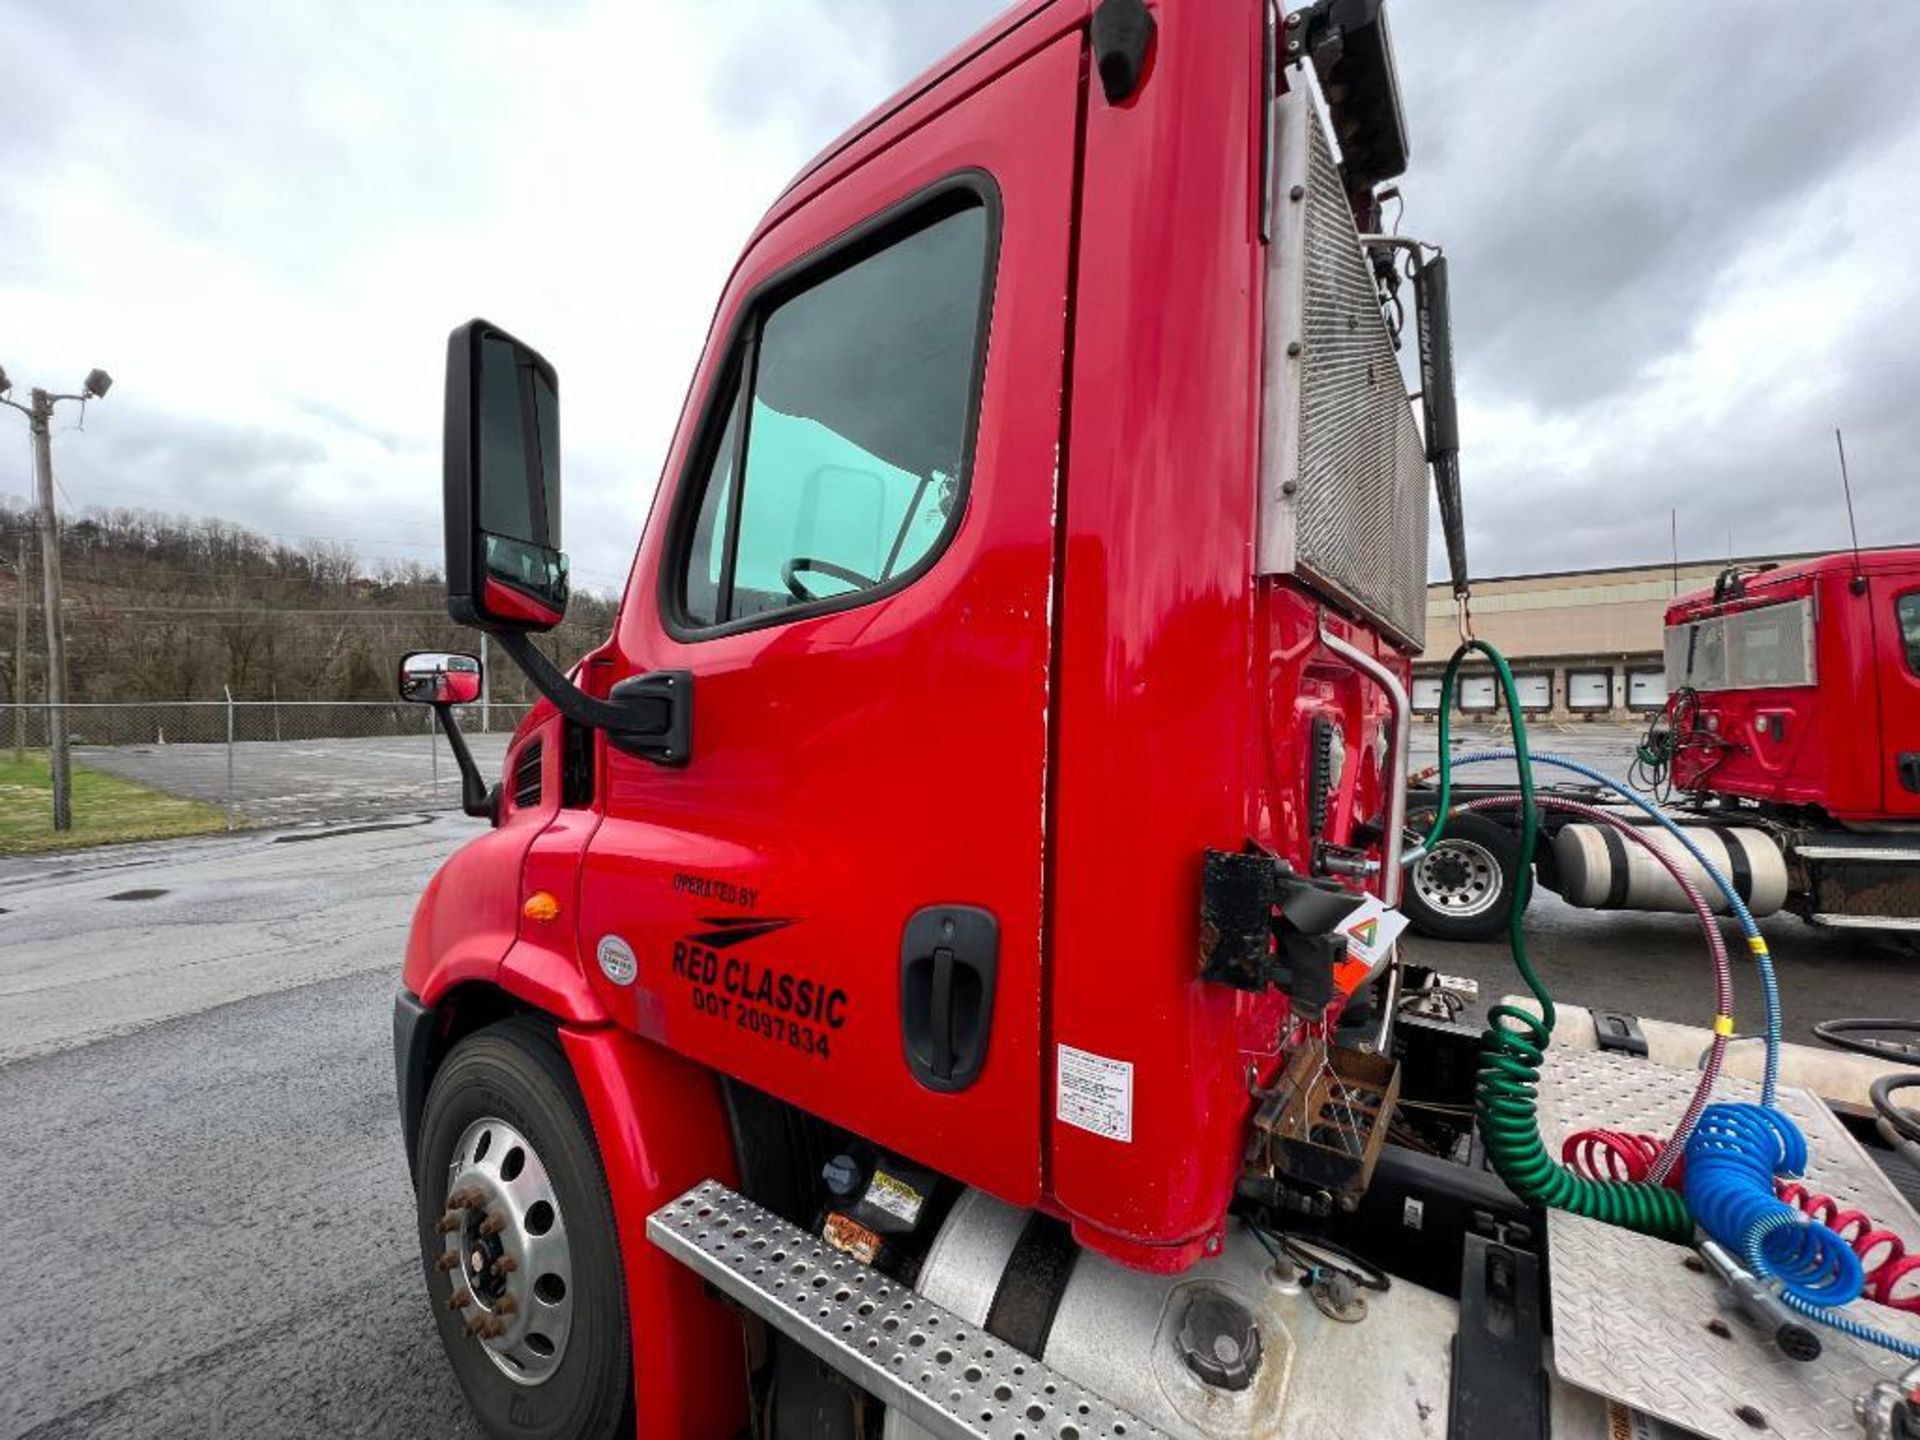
(1095, 1093)
(617, 960)
(1371, 931)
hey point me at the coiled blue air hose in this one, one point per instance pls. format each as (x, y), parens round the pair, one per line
(1762, 956)
(1732, 1158)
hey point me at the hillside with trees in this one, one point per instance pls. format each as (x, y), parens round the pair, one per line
(162, 607)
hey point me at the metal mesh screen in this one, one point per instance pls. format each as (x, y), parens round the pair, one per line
(1360, 497)
(1761, 649)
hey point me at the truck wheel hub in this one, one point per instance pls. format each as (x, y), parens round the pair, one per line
(506, 1254)
(1459, 878)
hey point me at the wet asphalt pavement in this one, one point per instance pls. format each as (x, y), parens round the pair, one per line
(208, 1223)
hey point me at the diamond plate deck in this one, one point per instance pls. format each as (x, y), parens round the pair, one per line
(1630, 1319)
(948, 1376)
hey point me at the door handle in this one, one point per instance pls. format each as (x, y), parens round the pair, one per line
(949, 956)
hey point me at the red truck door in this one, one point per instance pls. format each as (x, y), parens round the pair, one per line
(1896, 621)
(838, 899)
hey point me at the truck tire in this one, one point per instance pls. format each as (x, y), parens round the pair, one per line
(1463, 889)
(508, 1168)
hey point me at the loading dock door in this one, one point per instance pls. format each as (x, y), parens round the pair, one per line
(1535, 690)
(1646, 689)
(1477, 694)
(1589, 689)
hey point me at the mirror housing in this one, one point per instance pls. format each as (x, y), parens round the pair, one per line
(444, 679)
(505, 569)
(505, 572)
(434, 677)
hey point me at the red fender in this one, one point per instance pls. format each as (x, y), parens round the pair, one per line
(662, 1129)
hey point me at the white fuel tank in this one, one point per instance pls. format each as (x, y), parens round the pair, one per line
(1601, 869)
(1130, 1336)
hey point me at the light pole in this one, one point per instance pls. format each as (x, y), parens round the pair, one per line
(40, 422)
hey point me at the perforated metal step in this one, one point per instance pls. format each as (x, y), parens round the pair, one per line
(950, 1377)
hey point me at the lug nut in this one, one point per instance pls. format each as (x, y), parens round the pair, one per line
(476, 1325)
(505, 1265)
(493, 1224)
(460, 1299)
(450, 1223)
(446, 1262)
(507, 1305)
(493, 1330)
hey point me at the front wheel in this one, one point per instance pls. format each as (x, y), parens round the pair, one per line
(1463, 888)
(518, 1244)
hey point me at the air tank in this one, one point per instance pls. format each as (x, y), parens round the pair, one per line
(1601, 869)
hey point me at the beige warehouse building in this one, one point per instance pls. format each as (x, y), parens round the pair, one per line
(1582, 643)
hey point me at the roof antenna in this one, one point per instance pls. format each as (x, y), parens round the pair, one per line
(1859, 582)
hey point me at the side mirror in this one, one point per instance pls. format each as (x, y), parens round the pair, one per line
(505, 571)
(432, 677)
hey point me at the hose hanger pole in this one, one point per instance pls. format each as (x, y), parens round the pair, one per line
(1433, 321)
(1392, 863)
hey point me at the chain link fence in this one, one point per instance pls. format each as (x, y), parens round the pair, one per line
(269, 762)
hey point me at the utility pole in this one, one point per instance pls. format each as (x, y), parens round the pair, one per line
(40, 422)
(20, 652)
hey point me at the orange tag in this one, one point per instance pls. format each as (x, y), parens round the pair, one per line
(850, 1237)
(1350, 974)
(541, 906)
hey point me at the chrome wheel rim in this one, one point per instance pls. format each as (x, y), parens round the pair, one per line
(504, 1252)
(1461, 878)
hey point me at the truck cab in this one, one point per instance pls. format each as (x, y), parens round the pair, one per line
(1805, 686)
(1022, 622)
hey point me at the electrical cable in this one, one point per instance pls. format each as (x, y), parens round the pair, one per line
(1894, 1116)
(1756, 943)
(1316, 1253)
(1666, 1157)
(1842, 1033)
(1669, 737)
(1515, 1042)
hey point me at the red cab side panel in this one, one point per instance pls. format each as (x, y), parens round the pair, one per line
(1896, 628)
(662, 1129)
(1155, 732)
(469, 914)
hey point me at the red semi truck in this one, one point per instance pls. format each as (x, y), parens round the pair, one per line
(1790, 747)
(923, 973)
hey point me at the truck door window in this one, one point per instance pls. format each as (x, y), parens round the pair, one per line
(1908, 608)
(841, 465)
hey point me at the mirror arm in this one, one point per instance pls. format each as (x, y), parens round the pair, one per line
(476, 799)
(647, 715)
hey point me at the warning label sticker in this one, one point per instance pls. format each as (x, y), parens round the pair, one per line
(896, 1197)
(1095, 1093)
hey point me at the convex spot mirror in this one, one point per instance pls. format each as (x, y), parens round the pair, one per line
(505, 570)
(435, 677)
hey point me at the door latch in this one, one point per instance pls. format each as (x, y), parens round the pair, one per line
(949, 955)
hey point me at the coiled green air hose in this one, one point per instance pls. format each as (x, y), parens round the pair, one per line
(1506, 1095)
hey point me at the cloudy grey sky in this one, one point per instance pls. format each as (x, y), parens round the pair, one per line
(1679, 235)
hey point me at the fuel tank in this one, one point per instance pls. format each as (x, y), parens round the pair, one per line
(1600, 869)
(1236, 1348)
